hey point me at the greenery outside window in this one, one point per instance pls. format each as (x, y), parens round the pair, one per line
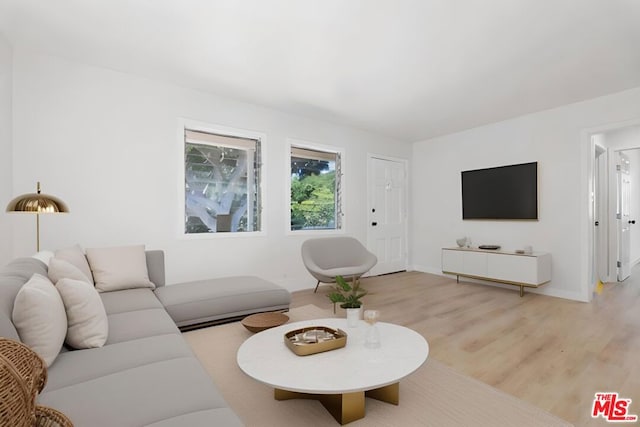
(316, 202)
(222, 183)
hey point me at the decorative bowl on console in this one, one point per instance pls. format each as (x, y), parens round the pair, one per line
(461, 242)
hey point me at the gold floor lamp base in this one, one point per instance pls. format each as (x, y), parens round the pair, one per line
(346, 407)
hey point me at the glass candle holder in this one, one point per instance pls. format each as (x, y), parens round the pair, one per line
(372, 338)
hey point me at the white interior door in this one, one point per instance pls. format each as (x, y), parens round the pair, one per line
(623, 168)
(387, 228)
(601, 236)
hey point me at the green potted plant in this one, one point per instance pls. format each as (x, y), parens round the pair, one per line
(348, 296)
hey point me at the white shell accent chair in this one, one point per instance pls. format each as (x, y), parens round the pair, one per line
(328, 257)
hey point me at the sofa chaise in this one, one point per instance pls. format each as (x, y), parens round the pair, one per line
(145, 374)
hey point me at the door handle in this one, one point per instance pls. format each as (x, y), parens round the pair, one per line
(373, 224)
(597, 223)
(633, 221)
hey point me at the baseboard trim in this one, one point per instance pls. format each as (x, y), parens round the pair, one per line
(425, 269)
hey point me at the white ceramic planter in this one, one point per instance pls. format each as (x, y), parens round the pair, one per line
(353, 316)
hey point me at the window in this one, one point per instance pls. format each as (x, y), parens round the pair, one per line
(222, 183)
(315, 189)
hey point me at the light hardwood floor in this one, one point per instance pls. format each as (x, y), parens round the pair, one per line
(551, 352)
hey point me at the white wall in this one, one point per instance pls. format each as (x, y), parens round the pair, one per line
(6, 191)
(554, 139)
(623, 139)
(106, 143)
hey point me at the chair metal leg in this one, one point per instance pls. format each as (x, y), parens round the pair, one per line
(318, 284)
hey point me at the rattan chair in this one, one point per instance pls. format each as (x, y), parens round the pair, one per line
(23, 375)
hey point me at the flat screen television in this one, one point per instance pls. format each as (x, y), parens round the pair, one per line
(505, 192)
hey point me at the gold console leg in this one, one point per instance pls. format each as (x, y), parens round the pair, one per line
(521, 291)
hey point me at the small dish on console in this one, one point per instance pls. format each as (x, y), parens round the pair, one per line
(489, 247)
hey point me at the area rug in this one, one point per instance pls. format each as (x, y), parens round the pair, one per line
(434, 395)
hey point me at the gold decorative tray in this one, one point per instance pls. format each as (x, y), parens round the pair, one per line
(314, 339)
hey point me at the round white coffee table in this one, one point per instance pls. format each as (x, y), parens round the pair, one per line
(340, 378)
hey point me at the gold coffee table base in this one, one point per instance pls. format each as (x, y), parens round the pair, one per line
(345, 407)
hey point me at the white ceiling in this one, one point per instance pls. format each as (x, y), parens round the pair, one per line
(412, 69)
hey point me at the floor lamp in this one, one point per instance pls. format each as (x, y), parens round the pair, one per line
(37, 203)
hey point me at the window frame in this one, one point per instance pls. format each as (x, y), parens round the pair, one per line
(185, 124)
(299, 143)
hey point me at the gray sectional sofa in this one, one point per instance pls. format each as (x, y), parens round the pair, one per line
(146, 374)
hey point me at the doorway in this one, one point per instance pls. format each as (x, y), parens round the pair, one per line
(628, 210)
(387, 213)
(623, 215)
(614, 178)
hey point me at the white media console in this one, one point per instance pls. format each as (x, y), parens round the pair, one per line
(523, 270)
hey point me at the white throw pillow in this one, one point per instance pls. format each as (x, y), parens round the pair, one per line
(61, 269)
(40, 318)
(88, 326)
(75, 256)
(119, 268)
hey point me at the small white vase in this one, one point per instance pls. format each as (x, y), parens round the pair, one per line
(353, 316)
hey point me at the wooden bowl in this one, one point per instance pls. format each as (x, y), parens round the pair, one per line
(261, 321)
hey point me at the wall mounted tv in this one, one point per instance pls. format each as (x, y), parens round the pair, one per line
(505, 192)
